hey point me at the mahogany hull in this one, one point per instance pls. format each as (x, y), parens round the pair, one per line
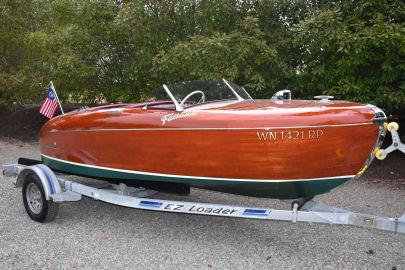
(255, 155)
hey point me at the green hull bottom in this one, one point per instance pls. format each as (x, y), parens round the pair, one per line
(279, 190)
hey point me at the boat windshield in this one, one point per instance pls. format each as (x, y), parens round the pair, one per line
(192, 93)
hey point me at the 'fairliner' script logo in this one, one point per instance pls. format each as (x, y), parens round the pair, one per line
(173, 116)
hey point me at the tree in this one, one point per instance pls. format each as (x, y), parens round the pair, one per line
(354, 51)
(240, 55)
(118, 51)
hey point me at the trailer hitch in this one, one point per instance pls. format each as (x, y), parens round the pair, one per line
(396, 142)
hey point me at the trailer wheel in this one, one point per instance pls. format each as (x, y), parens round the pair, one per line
(35, 203)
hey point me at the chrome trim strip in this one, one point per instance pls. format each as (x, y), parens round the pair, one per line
(380, 118)
(194, 177)
(380, 138)
(242, 128)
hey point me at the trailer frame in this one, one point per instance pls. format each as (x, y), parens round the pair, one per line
(56, 189)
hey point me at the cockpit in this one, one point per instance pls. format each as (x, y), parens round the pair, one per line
(180, 96)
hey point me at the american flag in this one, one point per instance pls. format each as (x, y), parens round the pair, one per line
(50, 104)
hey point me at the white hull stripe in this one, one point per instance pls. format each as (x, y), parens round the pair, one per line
(213, 128)
(195, 177)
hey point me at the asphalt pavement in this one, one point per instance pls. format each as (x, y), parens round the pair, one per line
(91, 234)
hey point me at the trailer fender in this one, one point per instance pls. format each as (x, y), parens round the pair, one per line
(48, 179)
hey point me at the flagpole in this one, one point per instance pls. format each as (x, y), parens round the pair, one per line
(54, 90)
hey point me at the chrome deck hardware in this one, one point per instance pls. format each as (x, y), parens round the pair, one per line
(324, 97)
(282, 95)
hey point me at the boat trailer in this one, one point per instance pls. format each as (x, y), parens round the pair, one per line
(43, 191)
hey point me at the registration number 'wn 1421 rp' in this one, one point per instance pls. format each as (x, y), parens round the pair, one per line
(284, 135)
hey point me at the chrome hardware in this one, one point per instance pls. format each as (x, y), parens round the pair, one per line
(114, 111)
(324, 97)
(380, 118)
(282, 95)
(83, 108)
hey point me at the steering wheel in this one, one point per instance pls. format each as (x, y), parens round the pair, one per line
(202, 99)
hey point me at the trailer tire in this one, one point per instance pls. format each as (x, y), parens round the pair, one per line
(35, 203)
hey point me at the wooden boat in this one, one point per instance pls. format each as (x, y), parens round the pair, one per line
(213, 135)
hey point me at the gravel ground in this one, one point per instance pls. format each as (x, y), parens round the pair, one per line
(95, 235)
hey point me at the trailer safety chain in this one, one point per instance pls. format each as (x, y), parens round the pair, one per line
(396, 142)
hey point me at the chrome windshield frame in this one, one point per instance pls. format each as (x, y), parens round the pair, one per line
(180, 108)
(176, 104)
(234, 92)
